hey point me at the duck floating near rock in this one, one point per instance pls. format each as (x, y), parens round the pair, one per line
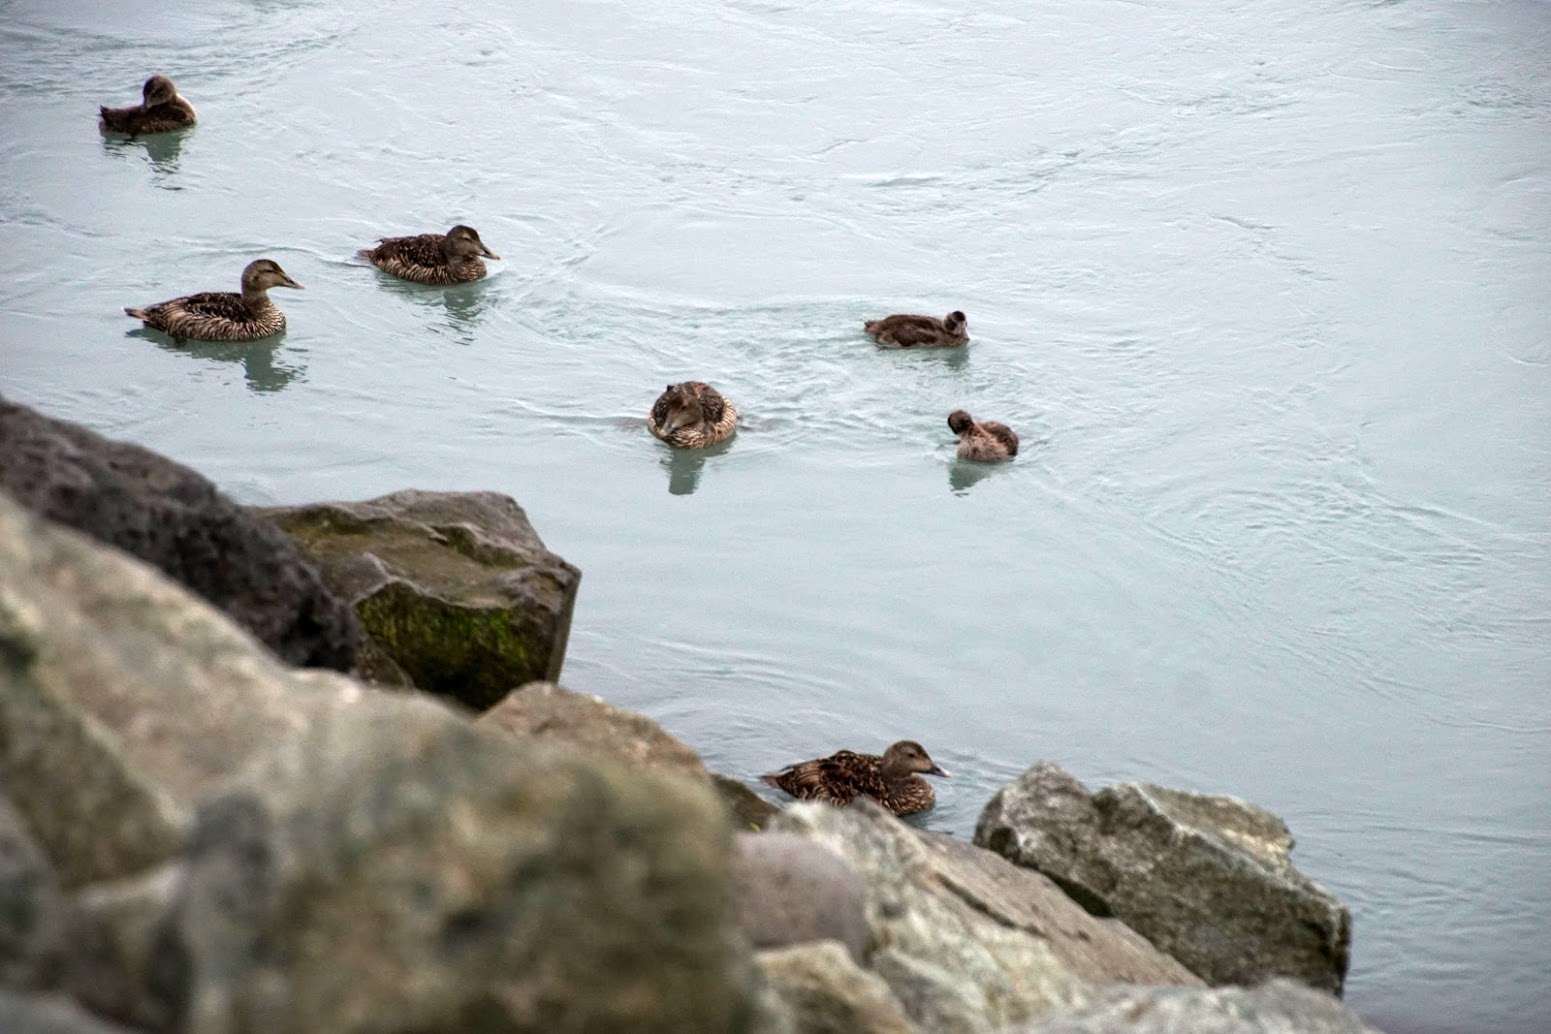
(891, 779)
(432, 258)
(161, 110)
(985, 441)
(904, 330)
(223, 315)
(692, 415)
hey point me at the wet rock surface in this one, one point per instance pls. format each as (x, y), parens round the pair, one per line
(175, 520)
(1205, 878)
(456, 591)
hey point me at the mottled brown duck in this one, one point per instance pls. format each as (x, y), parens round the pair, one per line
(891, 779)
(905, 330)
(453, 257)
(984, 441)
(692, 415)
(161, 110)
(224, 315)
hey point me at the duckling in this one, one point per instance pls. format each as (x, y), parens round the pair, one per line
(909, 331)
(692, 415)
(223, 315)
(891, 780)
(432, 258)
(161, 110)
(986, 441)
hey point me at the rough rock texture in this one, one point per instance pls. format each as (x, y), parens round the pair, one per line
(1276, 1007)
(26, 1015)
(31, 906)
(825, 992)
(455, 589)
(747, 809)
(791, 889)
(339, 859)
(116, 947)
(1206, 879)
(551, 713)
(174, 519)
(967, 942)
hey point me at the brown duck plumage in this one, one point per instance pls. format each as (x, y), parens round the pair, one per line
(692, 415)
(842, 777)
(432, 258)
(985, 441)
(910, 331)
(224, 315)
(161, 110)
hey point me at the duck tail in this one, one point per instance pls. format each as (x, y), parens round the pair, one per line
(771, 779)
(365, 253)
(139, 314)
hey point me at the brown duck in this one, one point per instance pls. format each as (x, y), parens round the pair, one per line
(432, 258)
(891, 780)
(692, 415)
(910, 331)
(161, 110)
(224, 315)
(985, 441)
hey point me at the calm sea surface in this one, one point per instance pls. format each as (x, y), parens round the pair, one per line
(1265, 287)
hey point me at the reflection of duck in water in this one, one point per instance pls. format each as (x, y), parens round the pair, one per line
(432, 258)
(223, 315)
(842, 777)
(692, 415)
(910, 331)
(986, 441)
(161, 110)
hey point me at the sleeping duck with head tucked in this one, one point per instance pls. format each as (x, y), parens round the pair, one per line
(892, 779)
(453, 257)
(905, 330)
(692, 415)
(161, 110)
(984, 441)
(223, 315)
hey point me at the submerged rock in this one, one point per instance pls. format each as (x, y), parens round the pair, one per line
(175, 520)
(966, 941)
(1207, 879)
(1276, 1007)
(456, 591)
(336, 859)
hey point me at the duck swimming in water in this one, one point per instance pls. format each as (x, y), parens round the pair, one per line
(223, 315)
(161, 110)
(432, 258)
(910, 331)
(692, 415)
(986, 441)
(891, 779)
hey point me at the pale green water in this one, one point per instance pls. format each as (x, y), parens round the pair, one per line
(1266, 289)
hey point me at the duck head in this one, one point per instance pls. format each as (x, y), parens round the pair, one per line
(262, 274)
(908, 757)
(157, 90)
(954, 322)
(960, 421)
(683, 409)
(463, 243)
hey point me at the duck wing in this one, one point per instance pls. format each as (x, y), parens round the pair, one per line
(421, 250)
(907, 331)
(839, 778)
(1003, 434)
(220, 305)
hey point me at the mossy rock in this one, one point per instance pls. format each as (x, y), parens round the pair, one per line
(454, 589)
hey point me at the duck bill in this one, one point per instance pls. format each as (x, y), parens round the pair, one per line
(938, 770)
(487, 252)
(292, 283)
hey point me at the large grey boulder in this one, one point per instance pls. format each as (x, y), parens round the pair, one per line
(175, 520)
(456, 591)
(966, 941)
(1276, 1007)
(824, 991)
(790, 889)
(291, 851)
(32, 906)
(1207, 879)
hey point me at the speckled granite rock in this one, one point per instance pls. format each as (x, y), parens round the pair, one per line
(1205, 878)
(1276, 1007)
(825, 992)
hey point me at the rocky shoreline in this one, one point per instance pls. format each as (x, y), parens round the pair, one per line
(309, 769)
